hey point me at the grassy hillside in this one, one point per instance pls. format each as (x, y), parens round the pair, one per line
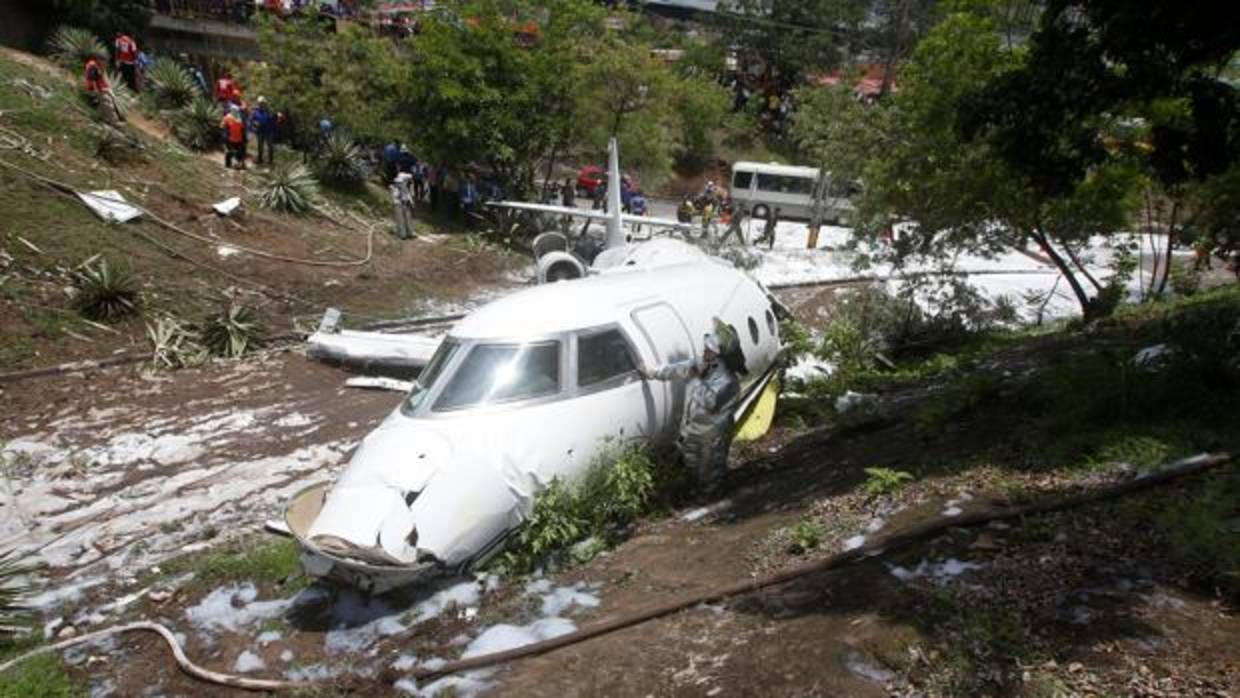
(45, 234)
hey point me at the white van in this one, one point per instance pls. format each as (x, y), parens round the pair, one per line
(761, 188)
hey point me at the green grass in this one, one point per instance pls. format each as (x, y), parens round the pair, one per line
(881, 481)
(271, 561)
(41, 677)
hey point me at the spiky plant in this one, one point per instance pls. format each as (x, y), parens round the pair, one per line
(197, 124)
(339, 161)
(171, 84)
(174, 344)
(289, 189)
(13, 590)
(105, 292)
(232, 332)
(73, 46)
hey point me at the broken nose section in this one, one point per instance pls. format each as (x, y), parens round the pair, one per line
(403, 510)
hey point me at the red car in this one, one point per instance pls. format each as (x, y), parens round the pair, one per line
(591, 176)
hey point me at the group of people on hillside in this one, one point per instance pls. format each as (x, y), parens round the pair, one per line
(240, 120)
(456, 191)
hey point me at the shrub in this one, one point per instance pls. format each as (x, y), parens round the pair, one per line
(339, 161)
(882, 481)
(232, 332)
(13, 589)
(197, 124)
(115, 148)
(289, 189)
(171, 84)
(72, 47)
(105, 292)
(173, 344)
(622, 485)
(806, 535)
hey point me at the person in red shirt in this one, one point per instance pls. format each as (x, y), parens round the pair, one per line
(234, 138)
(125, 55)
(226, 89)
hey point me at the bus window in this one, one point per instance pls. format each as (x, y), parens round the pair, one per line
(741, 180)
(784, 184)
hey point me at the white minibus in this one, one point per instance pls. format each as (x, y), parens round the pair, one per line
(760, 188)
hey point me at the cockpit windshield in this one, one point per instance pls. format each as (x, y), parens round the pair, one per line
(494, 373)
(426, 379)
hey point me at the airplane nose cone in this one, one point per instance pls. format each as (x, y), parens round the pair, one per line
(464, 513)
(400, 454)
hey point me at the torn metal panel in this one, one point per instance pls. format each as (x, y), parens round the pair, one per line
(352, 347)
(109, 205)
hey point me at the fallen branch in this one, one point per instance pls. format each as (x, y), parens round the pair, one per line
(178, 653)
(74, 367)
(1180, 469)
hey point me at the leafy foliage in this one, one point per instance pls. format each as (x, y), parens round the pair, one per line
(880, 481)
(172, 85)
(73, 46)
(290, 188)
(233, 332)
(197, 124)
(621, 486)
(806, 535)
(174, 344)
(339, 161)
(105, 292)
(104, 17)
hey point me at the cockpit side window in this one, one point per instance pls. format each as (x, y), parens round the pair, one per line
(602, 356)
(426, 378)
(495, 373)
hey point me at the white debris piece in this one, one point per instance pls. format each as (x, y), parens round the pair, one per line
(226, 251)
(850, 400)
(854, 543)
(227, 206)
(109, 205)
(1152, 357)
(267, 637)
(248, 662)
(952, 511)
(379, 382)
(387, 349)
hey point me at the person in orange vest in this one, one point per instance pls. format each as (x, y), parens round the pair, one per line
(234, 138)
(96, 81)
(125, 55)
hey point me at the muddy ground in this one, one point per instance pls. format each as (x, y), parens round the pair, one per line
(121, 472)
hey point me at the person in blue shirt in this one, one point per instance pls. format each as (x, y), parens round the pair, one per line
(391, 160)
(263, 124)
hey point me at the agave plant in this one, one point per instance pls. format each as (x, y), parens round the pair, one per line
(174, 344)
(13, 589)
(72, 46)
(105, 292)
(197, 124)
(171, 84)
(232, 332)
(290, 189)
(339, 161)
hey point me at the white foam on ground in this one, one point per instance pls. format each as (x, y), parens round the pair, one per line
(248, 662)
(233, 607)
(937, 571)
(358, 622)
(560, 599)
(499, 638)
(854, 543)
(463, 594)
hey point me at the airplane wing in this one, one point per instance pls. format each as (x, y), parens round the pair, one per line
(593, 214)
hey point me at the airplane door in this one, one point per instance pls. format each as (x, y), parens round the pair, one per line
(666, 339)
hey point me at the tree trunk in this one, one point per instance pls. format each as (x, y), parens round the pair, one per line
(1175, 213)
(1077, 290)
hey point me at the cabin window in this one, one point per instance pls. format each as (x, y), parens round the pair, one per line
(785, 184)
(601, 357)
(494, 373)
(770, 322)
(426, 378)
(742, 180)
(753, 329)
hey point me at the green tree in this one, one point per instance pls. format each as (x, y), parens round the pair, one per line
(104, 17)
(790, 38)
(954, 194)
(483, 94)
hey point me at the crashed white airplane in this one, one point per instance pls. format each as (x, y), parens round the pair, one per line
(529, 388)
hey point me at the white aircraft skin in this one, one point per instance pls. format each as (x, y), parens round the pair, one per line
(444, 479)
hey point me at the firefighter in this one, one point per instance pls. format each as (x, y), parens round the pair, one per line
(706, 426)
